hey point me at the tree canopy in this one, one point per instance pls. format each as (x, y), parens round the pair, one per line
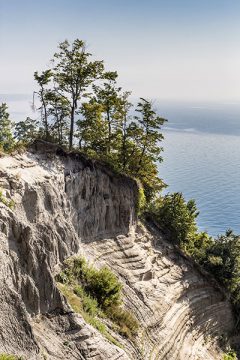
(6, 129)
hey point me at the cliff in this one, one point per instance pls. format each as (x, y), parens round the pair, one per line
(66, 204)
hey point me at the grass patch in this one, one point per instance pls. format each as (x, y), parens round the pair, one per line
(127, 323)
(9, 357)
(83, 304)
(8, 203)
(96, 294)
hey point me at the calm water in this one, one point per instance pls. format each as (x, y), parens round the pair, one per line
(202, 160)
(201, 157)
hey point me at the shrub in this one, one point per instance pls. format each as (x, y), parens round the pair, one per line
(141, 200)
(231, 355)
(176, 216)
(89, 304)
(95, 293)
(223, 261)
(104, 286)
(86, 306)
(128, 324)
(8, 203)
(9, 357)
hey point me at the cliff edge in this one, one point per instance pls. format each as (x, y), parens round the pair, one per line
(66, 204)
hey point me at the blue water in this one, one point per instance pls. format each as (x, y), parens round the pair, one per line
(202, 160)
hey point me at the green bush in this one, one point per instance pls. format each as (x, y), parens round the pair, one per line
(231, 355)
(9, 357)
(104, 286)
(89, 304)
(176, 216)
(128, 324)
(223, 261)
(95, 293)
(141, 201)
(8, 203)
(101, 284)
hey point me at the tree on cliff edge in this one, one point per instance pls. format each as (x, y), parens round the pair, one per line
(73, 73)
(6, 136)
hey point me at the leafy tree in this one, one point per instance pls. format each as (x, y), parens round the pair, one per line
(223, 261)
(92, 130)
(176, 216)
(43, 79)
(150, 135)
(73, 73)
(141, 147)
(26, 131)
(58, 111)
(109, 97)
(126, 143)
(6, 126)
(105, 287)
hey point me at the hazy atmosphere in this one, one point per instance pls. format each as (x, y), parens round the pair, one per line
(175, 50)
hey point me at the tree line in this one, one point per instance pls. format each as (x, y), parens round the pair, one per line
(82, 107)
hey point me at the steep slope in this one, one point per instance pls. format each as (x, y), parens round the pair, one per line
(65, 205)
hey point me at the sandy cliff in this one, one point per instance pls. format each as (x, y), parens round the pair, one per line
(65, 205)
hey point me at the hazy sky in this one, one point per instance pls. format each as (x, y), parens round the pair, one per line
(167, 49)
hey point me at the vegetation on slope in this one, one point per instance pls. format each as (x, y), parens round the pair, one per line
(5, 201)
(220, 257)
(96, 295)
(230, 356)
(9, 357)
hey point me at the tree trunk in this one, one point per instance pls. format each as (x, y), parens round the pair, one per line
(45, 117)
(109, 131)
(71, 127)
(124, 139)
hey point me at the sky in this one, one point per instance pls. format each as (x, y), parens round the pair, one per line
(181, 50)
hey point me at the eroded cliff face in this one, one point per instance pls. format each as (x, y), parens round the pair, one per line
(66, 205)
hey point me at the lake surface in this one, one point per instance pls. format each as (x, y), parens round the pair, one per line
(201, 157)
(202, 160)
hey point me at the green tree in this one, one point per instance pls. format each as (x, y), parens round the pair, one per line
(92, 130)
(6, 128)
(176, 217)
(223, 261)
(43, 80)
(59, 112)
(151, 136)
(73, 73)
(105, 287)
(26, 131)
(109, 97)
(126, 145)
(142, 148)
